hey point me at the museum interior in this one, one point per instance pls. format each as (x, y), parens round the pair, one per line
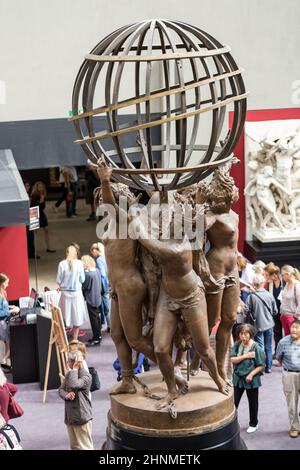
(149, 169)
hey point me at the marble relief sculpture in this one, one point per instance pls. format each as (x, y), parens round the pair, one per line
(273, 190)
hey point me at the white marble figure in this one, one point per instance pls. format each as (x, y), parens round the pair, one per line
(295, 203)
(273, 190)
(259, 189)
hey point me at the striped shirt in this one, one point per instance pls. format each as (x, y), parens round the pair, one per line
(288, 351)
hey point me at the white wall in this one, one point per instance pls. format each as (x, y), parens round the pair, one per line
(43, 43)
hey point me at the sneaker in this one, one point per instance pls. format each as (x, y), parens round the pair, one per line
(268, 371)
(94, 339)
(252, 429)
(92, 343)
(51, 251)
(294, 433)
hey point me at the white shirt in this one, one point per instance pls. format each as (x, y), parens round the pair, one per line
(70, 279)
(248, 273)
(71, 170)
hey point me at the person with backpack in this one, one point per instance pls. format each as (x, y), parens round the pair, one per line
(248, 360)
(262, 309)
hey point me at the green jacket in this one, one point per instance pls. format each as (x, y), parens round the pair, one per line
(241, 370)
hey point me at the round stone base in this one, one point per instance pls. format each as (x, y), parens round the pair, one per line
(206, 419)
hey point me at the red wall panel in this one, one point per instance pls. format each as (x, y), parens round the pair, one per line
(238, 172)
(14, 260)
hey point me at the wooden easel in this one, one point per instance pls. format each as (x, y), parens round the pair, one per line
(59, 338)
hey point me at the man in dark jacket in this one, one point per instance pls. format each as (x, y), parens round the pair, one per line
(78, 409)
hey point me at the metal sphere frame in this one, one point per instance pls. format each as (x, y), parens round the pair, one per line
(188, 48)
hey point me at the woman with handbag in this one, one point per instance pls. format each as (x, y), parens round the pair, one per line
(248, 360)
(9, 408)
(290, 298)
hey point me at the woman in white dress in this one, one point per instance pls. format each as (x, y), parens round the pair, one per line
(70, 277)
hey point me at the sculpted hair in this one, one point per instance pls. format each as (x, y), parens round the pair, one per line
(221, 188)
(118, 189)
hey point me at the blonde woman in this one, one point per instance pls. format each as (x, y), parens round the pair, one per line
(92, 293)
(5, 312)
(290, 298)
(70, 277)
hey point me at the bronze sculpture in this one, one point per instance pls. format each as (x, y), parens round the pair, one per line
(205, 81)
(222, 233)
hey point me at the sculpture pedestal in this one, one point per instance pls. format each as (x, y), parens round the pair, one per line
(279, 252)
(206, 419)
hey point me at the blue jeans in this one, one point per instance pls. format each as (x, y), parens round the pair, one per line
(104, 310)
(264, 339)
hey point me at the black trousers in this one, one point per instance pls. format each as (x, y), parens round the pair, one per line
(30, 243)
(252, 395)
(94, 314)
(277, 330)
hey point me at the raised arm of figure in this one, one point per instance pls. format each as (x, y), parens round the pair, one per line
(248, 186)
(104, 173)
(161, 249)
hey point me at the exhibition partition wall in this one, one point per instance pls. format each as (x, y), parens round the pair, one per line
(14, 214)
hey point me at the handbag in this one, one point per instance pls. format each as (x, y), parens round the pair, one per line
(250, 319)
(14, 410)
(95, 385)
(9, 438)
